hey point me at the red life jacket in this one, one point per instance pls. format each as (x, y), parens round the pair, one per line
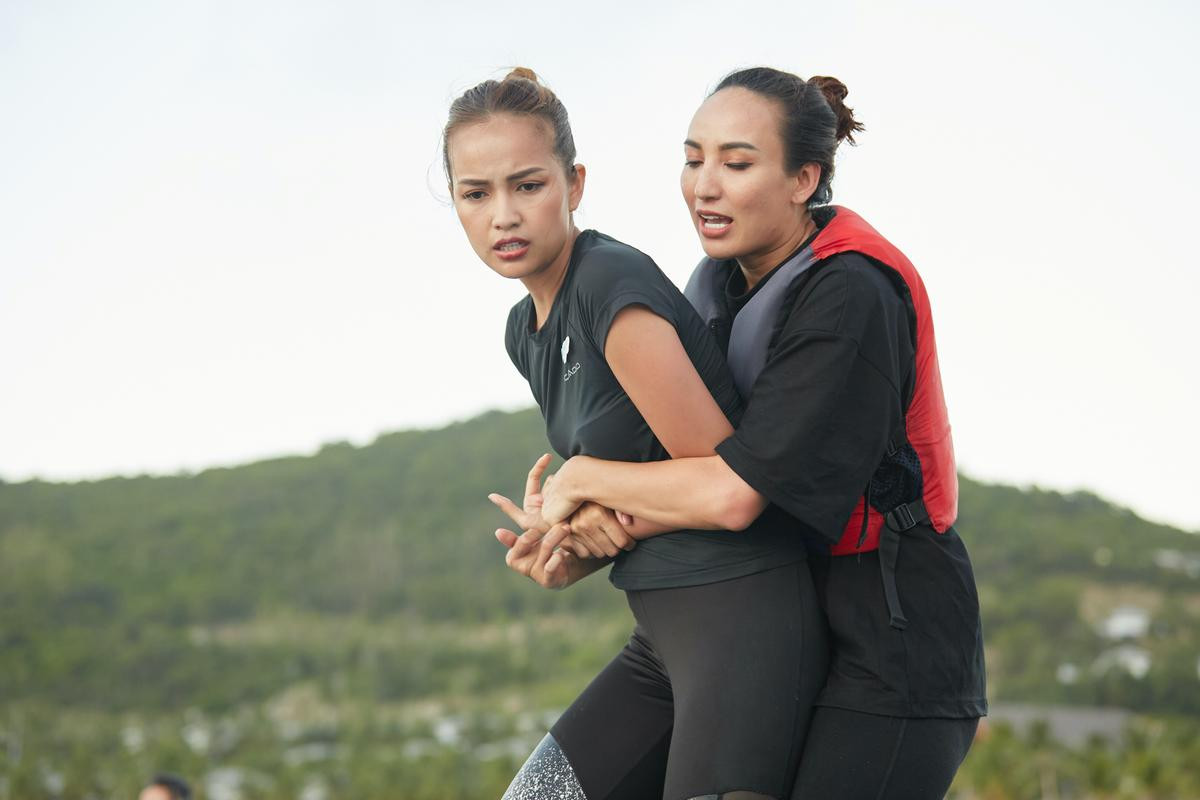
(927, 427)
(927, 423)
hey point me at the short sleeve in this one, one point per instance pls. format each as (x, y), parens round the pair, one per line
(612, 277)
(821, 412)
(517, 321)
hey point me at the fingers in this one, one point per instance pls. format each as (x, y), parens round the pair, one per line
(546, 551)
(624, 519)
(594, 541)
(600, 528)
(558, 570)
(529, 539)
(530, 553)
(612, 539)
(516, 562)
(619, 534)
(604, 541)
(533, 482)
(620, 538)
(510, 508)
(575, 545)
(555, 537)
(520, 556)
(543, 557)
(586, 527)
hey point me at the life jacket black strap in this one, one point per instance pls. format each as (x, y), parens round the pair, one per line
(900, 519)
(907, 516)
(862, 534)
(889, 551)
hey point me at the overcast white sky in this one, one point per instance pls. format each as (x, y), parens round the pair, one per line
(224, 235)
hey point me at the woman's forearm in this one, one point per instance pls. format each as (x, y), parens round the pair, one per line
(642, 528)
(699, 493)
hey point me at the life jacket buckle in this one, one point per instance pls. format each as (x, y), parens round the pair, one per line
(901, 518)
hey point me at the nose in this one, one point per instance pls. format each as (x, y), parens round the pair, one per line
(707, 185)
(505, 215)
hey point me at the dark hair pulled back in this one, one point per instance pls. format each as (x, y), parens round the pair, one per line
(521, 93)
(815, 118)
(176, 786)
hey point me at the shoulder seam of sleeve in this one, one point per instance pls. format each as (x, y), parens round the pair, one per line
(618, 302)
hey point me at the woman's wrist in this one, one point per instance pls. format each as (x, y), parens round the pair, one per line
(572, 479)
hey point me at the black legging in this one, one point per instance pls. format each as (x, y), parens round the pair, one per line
(856, 756)
(712, 696)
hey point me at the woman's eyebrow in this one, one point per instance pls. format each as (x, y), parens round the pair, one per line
(726, 146)
(516, 176)
(525, 173)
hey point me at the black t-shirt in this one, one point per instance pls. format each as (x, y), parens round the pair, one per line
(828, 398)
(588, 413)
(815, 429)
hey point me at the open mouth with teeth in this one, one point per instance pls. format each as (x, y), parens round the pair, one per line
(713, 224)
(511, 249)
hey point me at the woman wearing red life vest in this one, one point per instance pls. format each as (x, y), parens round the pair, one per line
(828, 332)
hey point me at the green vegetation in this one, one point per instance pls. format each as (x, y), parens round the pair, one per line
(342, 625)
(1154, 759)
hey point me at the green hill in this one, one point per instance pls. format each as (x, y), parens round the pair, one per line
(363, 585)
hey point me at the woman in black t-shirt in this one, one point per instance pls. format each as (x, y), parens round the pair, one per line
(714, 690)
(828, 405)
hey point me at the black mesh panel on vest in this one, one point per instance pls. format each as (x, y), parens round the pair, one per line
(897, 480)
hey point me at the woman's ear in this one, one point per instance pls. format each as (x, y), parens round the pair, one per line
(575, 194)
(807, 179)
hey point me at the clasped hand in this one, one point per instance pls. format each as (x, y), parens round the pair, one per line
(551, 555)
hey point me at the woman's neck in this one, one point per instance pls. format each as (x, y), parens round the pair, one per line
(544, 284)
(755, 266)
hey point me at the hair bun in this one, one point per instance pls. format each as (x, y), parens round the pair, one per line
(835, 93)
(522, 72)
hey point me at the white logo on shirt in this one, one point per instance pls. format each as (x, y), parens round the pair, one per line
(571, 370)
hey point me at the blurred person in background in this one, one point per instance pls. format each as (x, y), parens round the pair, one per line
(165, 786)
